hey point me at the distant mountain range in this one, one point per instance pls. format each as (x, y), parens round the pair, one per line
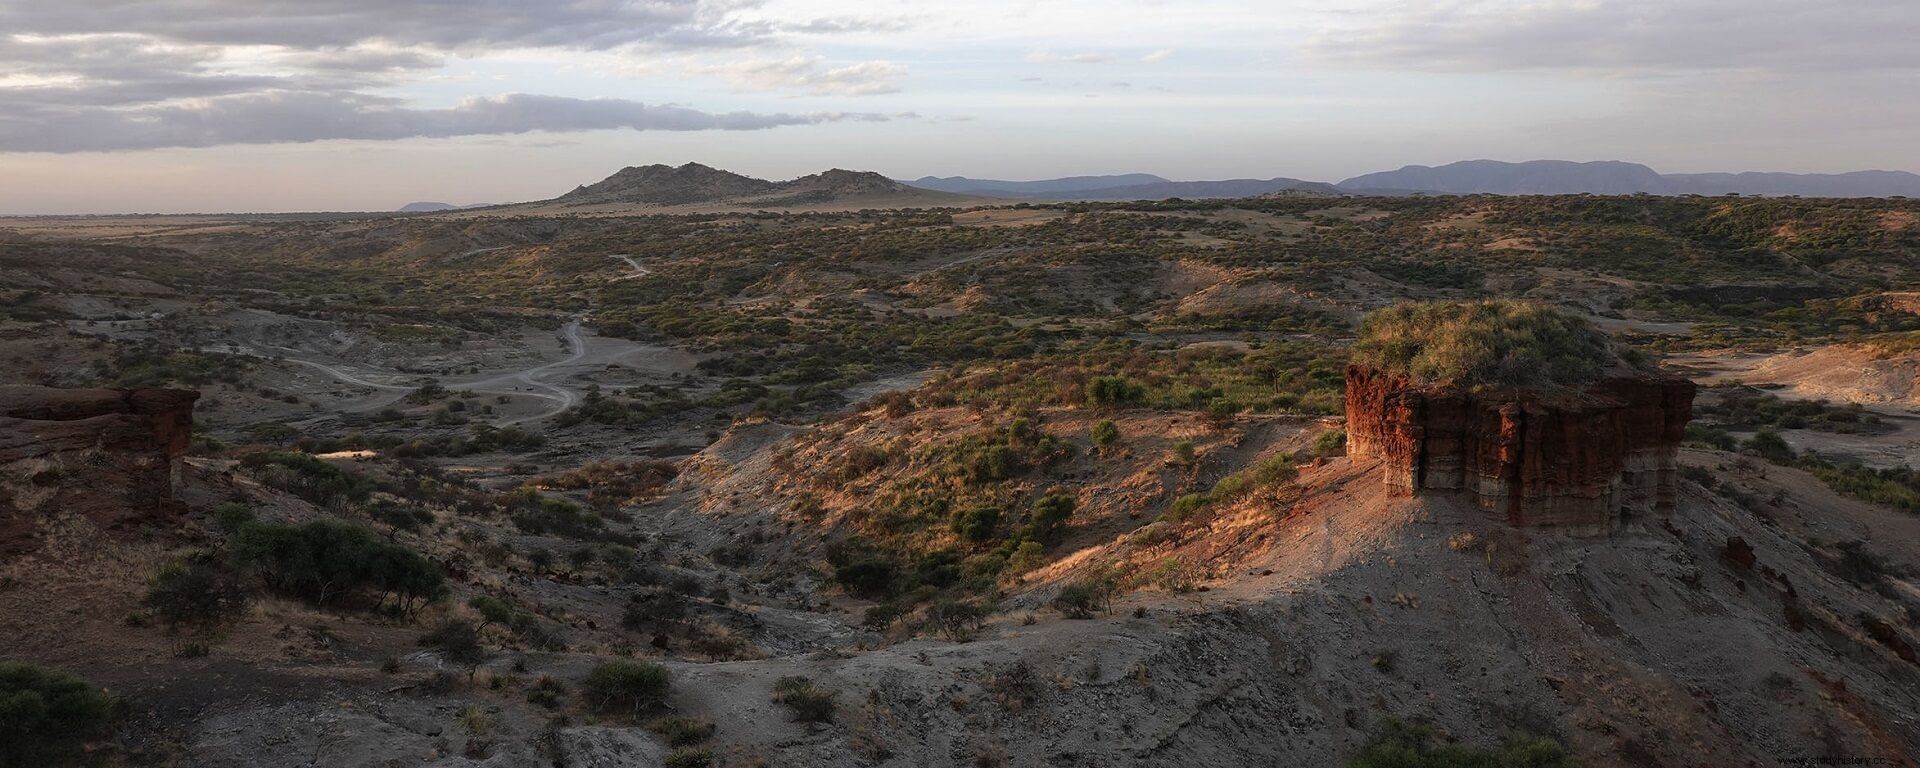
(1538, 177)
(693, 185)
(433, 207)
(1559, 177)
(1130, 186)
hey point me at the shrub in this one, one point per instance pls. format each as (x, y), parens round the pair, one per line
(1184, 507)
(1085, 597)
(810, 703)
(1398, 745)
(232, 516)
(956, 619)
(198, 592)
(1028, 556)
(1332, 442)
(688, 757)
(309, 478)
(322, 559)
(1105, 433)
(1494, 343)
(682, 731)
(47, 716)
(1114, 391)
(458, 641)
(1183, 453)
(492, 609)
(976, 523)
(1050, 517)
(624, 685)
(1770, 446)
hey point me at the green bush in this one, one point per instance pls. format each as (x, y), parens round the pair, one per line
(1085, 597)
(492, 609)
(1494, 343)
(625, 686)
(1050, 517)
(976, 523)
(1332, 442)
(1105, 433)
(47, 716)
(198, 592)
(1184, 507)
(309, 478)
(1114, 391)
(320, 560)
(1398, 745)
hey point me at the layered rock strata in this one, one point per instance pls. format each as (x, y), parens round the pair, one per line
(109, 455)
(1586, 459)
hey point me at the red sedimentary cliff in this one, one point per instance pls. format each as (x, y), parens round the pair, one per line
(1582, 459)
(110, 455)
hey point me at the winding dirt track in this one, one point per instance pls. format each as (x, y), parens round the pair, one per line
(525, 383)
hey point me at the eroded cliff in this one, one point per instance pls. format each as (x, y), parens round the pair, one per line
(1586, 458)
(109, 455)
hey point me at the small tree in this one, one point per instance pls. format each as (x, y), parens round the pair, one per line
(956, 619)
(626, 686)
(1050, 517)
(1082, 599)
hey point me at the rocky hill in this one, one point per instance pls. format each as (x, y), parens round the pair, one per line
(668, 185)
(694, 184)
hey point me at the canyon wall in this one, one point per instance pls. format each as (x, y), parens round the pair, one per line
(109, 455)
(1583, 459)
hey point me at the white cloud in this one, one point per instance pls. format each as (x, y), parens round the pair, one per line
(1049, 57)
(278, 117)
(810, 74)
(1157, 56)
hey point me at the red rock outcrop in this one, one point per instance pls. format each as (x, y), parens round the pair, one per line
(1582, 459)
(110, 455)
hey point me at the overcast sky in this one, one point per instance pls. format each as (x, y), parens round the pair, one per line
(278, 105)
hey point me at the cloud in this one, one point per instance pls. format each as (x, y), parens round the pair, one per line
(137, 74)
(810, 74)
(1049, 57)
(1157, 56)
(1628, 36)
(301, 117)
(442, 24)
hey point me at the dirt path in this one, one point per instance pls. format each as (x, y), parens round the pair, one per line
(638, 271)
(526, 382)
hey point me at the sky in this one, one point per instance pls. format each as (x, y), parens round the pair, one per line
(170, 106)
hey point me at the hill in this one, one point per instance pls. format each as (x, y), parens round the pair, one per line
(1133, 186)
(697, 188)
(667, 185)
(1040, 188)
(1556, 177)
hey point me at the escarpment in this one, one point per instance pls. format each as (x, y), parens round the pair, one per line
(109, 455)
(1584, 458)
